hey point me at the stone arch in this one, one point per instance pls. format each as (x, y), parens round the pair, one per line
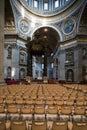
(53, 27)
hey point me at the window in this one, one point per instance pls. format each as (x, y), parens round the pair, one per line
(52, 65)
(46, 7)
(42, 66)
(46, 4)
(56, 3)
(9, 52)
(36, 3)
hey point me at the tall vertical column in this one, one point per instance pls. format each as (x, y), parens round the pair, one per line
(45, 79)
(29, 65)
(29, 61)
(45, 66)
(2, 42)
(29, 58)
(31, 3)
(41, 5)
(52, 4)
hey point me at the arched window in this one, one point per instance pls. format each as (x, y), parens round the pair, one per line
(9, 52)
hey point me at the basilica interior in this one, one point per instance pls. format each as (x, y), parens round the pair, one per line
(43, 64)
(45, 39)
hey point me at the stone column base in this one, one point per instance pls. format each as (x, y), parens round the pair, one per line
(2, 83)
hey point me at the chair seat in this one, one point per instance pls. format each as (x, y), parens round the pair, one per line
(39, 125)
(18, 125)
(79, 126)
(2, 125)
(59, 125)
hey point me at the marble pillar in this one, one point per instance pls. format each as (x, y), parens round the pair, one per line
(29, 61)
(29, 65)
(45, 79)
(2, 42)
(45, 66)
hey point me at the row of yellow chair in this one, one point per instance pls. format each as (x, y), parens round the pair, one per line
(39, 112)
(42, 125)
